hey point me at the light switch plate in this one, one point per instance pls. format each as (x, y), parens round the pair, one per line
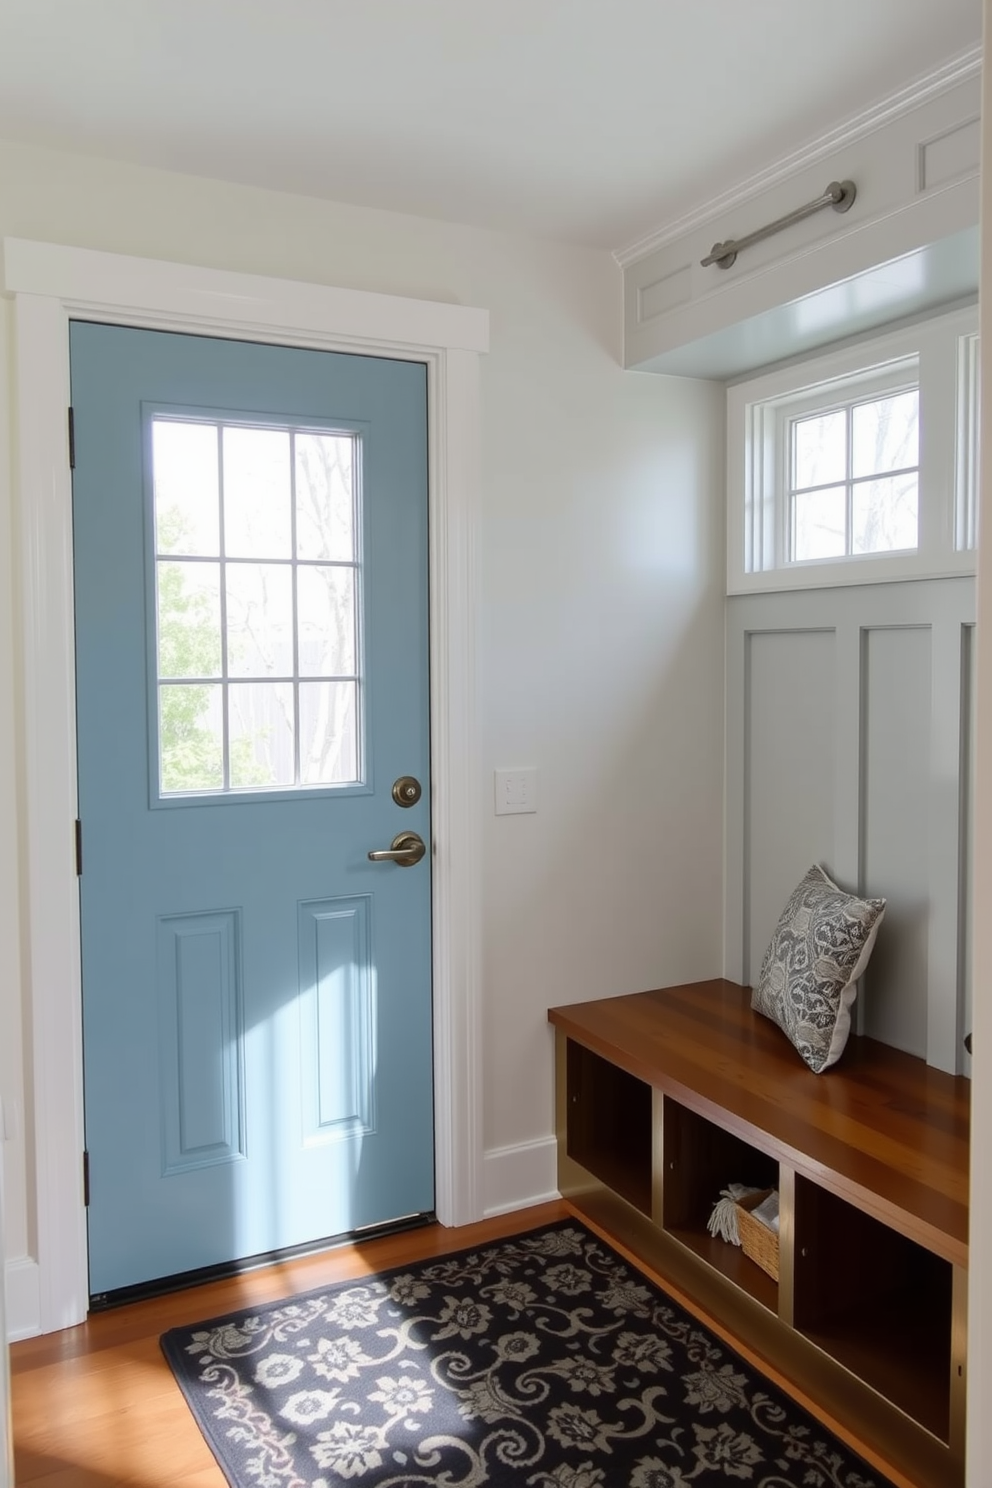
(516, 791)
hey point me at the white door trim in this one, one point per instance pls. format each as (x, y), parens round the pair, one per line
(51, 284)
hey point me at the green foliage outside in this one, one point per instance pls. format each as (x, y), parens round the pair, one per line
(189, 646)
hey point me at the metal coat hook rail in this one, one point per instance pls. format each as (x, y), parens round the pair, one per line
(839, 194)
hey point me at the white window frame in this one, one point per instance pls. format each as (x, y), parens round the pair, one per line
(759, 413)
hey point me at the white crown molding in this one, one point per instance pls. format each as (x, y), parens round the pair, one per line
(895, 106)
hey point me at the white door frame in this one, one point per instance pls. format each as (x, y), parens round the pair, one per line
(51, 284)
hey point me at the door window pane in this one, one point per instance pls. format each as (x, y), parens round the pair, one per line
(257, 505)
(259, 619)
(257, 587)
(191, 737)
(328, 732)
(189, 629)
(187, 493)
(262, 734)
(327, 621)
(325, 501)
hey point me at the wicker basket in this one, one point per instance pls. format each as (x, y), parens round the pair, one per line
(757, 1240)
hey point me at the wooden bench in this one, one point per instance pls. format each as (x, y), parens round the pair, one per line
(666, 1097)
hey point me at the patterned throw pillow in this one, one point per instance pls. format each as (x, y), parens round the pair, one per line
(809, 976)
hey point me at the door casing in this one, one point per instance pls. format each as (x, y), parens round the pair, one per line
(51, 284)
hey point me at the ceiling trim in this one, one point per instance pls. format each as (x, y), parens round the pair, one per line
(966, 65)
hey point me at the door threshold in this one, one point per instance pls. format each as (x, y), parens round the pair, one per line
(183, 1280)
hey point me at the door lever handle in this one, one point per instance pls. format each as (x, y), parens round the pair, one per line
(404, 850)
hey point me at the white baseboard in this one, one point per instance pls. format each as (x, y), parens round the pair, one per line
(23, 1299)
(517, 1177)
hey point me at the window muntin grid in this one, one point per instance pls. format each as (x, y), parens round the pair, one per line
(854, 479)
(257, 606)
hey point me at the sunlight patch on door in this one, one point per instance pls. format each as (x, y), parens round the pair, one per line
(257, 605)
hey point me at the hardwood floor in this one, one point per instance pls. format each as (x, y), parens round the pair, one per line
(96, 1406)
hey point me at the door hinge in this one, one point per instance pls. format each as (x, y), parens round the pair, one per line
(79, 848)
(72, 439)
(86, 1180)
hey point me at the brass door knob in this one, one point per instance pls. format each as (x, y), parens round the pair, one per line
(405, 849)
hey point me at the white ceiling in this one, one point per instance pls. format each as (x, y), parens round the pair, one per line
(594, 121)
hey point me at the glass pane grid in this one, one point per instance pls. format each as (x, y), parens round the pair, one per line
(854, 479)
(257, 585)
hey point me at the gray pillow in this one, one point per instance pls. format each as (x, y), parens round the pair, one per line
(809, 976)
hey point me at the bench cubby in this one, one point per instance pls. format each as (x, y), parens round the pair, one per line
(666, 1097)
(699, 1159)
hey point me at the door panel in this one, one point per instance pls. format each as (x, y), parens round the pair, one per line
(257, 1013)
(199, 1021)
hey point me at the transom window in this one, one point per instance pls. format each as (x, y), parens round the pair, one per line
(854, 479)
(257, 579)
(859, 465)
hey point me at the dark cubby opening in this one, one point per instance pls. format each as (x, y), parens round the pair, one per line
(877, 1302)
(701, 1159)
(609, 1125)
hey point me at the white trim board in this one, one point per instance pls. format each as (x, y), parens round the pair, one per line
(520, 1176)
(22, 1299)
(51, 284)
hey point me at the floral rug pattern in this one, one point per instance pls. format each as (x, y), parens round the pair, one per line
(541, 1361)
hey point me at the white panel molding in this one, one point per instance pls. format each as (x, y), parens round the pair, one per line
(50, 285)
(22, 1279)
(849, 658)
(948, 793)
(888, 110)
(849, 675)
(517, 1177)
(946, 609)
(948, 156)
(751, 898)
(896, 829)
(736, 776)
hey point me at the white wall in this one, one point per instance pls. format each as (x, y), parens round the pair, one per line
(601, 645)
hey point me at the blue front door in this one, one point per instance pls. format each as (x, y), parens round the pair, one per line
(250, 558)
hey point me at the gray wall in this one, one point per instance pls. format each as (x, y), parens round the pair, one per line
(850, 715)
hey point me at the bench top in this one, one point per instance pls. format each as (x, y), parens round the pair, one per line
(880, 1128)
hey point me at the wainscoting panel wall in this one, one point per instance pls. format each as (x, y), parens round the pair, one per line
(790, 737)
(849, 728)
(897, 667)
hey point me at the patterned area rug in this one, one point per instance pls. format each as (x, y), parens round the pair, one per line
(541, 1361)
